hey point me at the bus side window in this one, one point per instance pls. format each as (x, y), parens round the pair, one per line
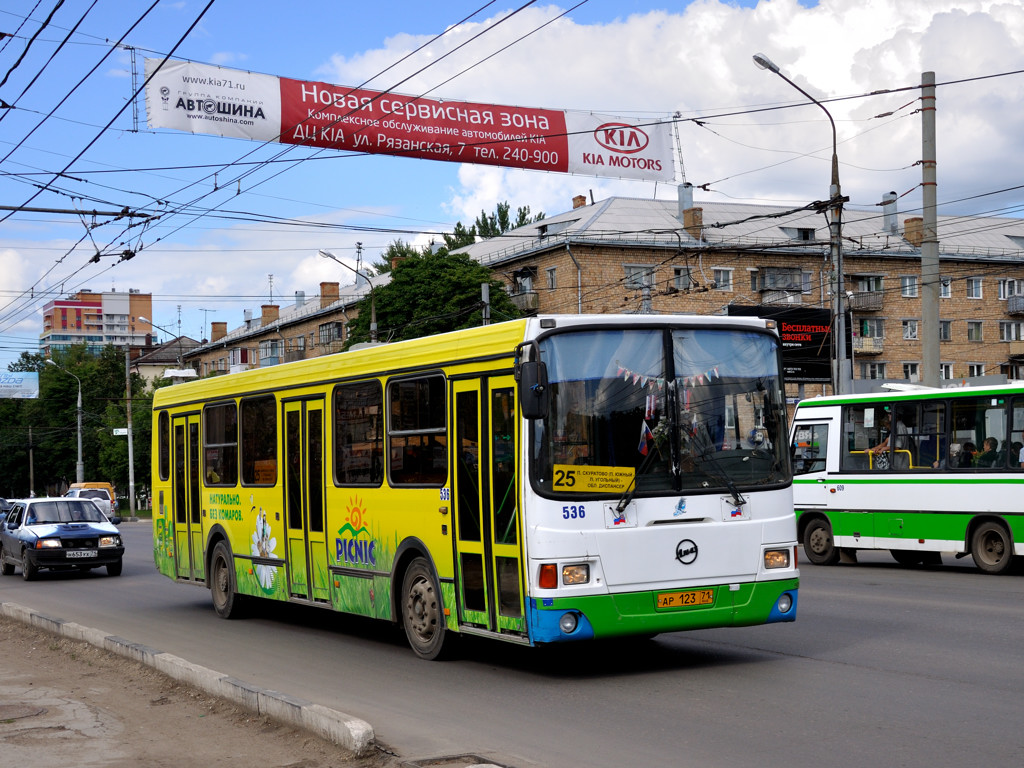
(810, 448)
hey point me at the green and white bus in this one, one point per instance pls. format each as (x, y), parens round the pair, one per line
(918, 472)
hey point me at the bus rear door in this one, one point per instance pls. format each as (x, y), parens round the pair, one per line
(488, 545)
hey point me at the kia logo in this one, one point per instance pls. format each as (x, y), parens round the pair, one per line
(621, 137)
(686, 551)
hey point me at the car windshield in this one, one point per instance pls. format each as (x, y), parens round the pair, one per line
(93, 494)
(64, 511)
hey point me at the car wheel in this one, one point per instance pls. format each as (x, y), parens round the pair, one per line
(28, 568)
(6, 568)
(114, 569)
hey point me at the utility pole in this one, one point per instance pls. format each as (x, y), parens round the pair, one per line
(485, 297)
(929, 240)
(128, 408)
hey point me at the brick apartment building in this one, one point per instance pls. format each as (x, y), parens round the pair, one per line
(657, 256)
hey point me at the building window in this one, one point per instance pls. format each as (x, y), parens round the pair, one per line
(974, 288)
(681, 278)
(639, 276)
(723, 279)
(945, 288)
(804, 234)
(1008, 288)
(870, 284)
(872, 370)
(974, 330)
(912, 371)
(270, 348)
(945, 371)
(552, 282)
(806, 282)
(910, 329)
(908, 286)
(753, 280)
(975, 369)
(872, 327)
(945, 330)
(1011, 331)
(329, 332)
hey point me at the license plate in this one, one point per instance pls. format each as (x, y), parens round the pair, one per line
(81, 553)
(686, 599)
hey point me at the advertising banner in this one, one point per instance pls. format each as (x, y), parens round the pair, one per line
(806, 335)
(19, 385)
(202, 98)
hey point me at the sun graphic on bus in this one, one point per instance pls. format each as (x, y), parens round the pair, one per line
(355, 522)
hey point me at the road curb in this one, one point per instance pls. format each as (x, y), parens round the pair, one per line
(346, 731)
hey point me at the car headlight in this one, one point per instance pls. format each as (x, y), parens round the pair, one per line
(110, 541)
(48, 544)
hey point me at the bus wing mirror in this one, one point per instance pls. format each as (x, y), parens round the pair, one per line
(533, 389)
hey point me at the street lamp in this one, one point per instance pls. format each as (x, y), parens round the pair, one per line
(835, 236)
(373, 304)
(79, 466)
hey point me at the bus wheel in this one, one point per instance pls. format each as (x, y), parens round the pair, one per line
(422, 615)
(907, 556)
(226, 602)
(992, 548)
(818, 544)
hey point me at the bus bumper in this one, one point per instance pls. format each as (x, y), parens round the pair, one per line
(569, 619)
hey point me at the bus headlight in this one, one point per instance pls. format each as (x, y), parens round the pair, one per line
(785, 603)
(576, 574)
(776, 558)
(568, 622)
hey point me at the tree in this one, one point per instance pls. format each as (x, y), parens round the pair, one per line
(490, 225)
(431, 293)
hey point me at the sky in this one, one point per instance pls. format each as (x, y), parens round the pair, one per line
(239, 236)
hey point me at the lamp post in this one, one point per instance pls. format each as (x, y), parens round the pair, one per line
(373, 304)
(836, 199)
(160, 327)
(79, 465)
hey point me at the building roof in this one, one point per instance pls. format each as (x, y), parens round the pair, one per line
(167, 353)
(635, 222)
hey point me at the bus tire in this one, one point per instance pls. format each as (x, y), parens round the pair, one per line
(819, 545)
(226, 601)
(907, 556)
(992, 548)
(422, 611)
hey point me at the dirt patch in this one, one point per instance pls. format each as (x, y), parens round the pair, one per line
(64, 702)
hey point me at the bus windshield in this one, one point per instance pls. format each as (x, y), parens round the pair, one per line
(664, 411)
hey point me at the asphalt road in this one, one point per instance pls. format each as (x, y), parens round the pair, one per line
(884, 666)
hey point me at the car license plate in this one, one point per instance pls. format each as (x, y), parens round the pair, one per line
(685, 599)
(82, 553)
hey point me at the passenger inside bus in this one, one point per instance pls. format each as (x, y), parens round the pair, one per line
(989, 457)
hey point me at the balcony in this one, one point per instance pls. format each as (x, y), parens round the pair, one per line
(867, 345)
(1015, 349)
(865, 301)
(1015, 305)
(527, 301)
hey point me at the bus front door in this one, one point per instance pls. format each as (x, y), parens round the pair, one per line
(487, 526)
(187, 512)
(304, 499)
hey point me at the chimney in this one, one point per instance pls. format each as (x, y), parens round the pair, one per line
(396, 260)
(685, 199)
(579, 201)
(890, 222)
(300, 298)
(218, 331)
(270, 314)
(693, 222)
(247, 315)
(329, 294)
(913, 231)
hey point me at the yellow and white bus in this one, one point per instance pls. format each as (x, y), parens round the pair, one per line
(917, 472)
(551, 479)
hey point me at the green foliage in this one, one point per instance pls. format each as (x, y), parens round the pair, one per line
(431, 293)
(490, 225)
(53, 422)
